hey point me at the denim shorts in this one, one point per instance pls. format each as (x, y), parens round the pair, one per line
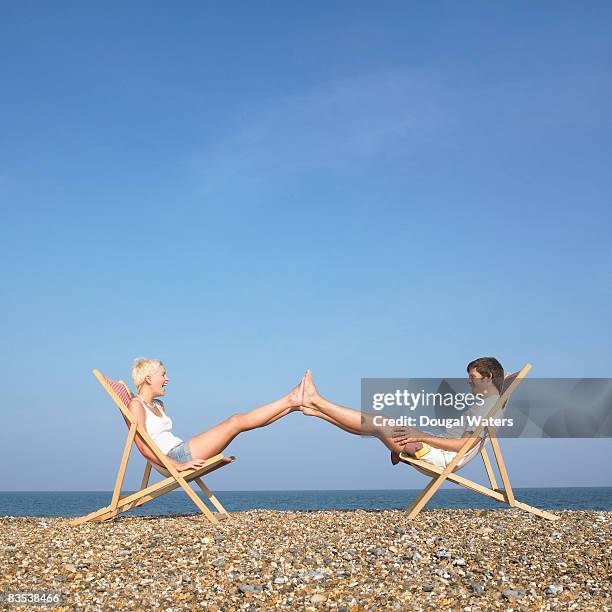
(180, 452)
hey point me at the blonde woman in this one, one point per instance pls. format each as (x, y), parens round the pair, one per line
(150, 379)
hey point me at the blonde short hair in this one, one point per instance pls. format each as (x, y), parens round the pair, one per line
(142, 368)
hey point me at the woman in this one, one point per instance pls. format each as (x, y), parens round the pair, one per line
(150, 379)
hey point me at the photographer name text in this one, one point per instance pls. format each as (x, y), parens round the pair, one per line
(427, 421)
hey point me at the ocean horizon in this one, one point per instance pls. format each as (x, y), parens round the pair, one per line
(76, 503)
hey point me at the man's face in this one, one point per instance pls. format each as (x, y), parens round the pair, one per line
(478, 384)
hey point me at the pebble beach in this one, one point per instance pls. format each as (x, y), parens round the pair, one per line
(346, 561)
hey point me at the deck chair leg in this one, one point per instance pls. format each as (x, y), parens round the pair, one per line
(129, 501)
(503, 472)
(427, 493)
(122, 467)
(197, 501)
(145, 476)
(536, 511)
(499, 496)
(488, 468)
(211, 496)
(136, 502)
(108, 513)
(496, 494)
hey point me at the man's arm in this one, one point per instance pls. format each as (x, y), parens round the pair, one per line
(451, 444)
(447, 444)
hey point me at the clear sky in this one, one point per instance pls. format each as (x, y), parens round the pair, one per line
(245, 190)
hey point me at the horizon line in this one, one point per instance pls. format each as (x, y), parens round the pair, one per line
(295, 490)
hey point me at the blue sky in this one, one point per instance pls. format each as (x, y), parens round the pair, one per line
(246, 190)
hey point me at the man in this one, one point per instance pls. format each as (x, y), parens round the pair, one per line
(485, 376)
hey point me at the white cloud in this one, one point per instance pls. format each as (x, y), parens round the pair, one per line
(336, 125)
(346, 124)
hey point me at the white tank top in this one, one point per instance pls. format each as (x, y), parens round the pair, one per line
(160, 428)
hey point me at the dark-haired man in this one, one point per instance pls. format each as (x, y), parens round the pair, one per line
(486, 377)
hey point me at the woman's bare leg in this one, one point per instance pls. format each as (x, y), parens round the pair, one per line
(213, 441)
(280, 415)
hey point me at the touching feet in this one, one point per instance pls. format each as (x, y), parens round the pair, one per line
(311, 396)
(296, 396)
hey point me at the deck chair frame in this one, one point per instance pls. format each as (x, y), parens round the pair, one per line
(148, 492)
(439, 475)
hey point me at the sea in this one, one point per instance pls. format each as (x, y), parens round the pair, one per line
(77, 503)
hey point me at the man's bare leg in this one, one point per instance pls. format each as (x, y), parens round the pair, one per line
(321, 415)
(351, 420)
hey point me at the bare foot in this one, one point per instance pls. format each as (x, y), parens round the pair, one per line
(296, 397)
(311, 395)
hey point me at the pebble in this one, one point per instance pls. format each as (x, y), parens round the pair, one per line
(513, 594)
(442, 573)
(478, 588)
(309, 560)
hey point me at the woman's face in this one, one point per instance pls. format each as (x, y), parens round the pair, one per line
(158, 381)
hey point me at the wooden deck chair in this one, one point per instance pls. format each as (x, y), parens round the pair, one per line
(121, 395)
(439, 475)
